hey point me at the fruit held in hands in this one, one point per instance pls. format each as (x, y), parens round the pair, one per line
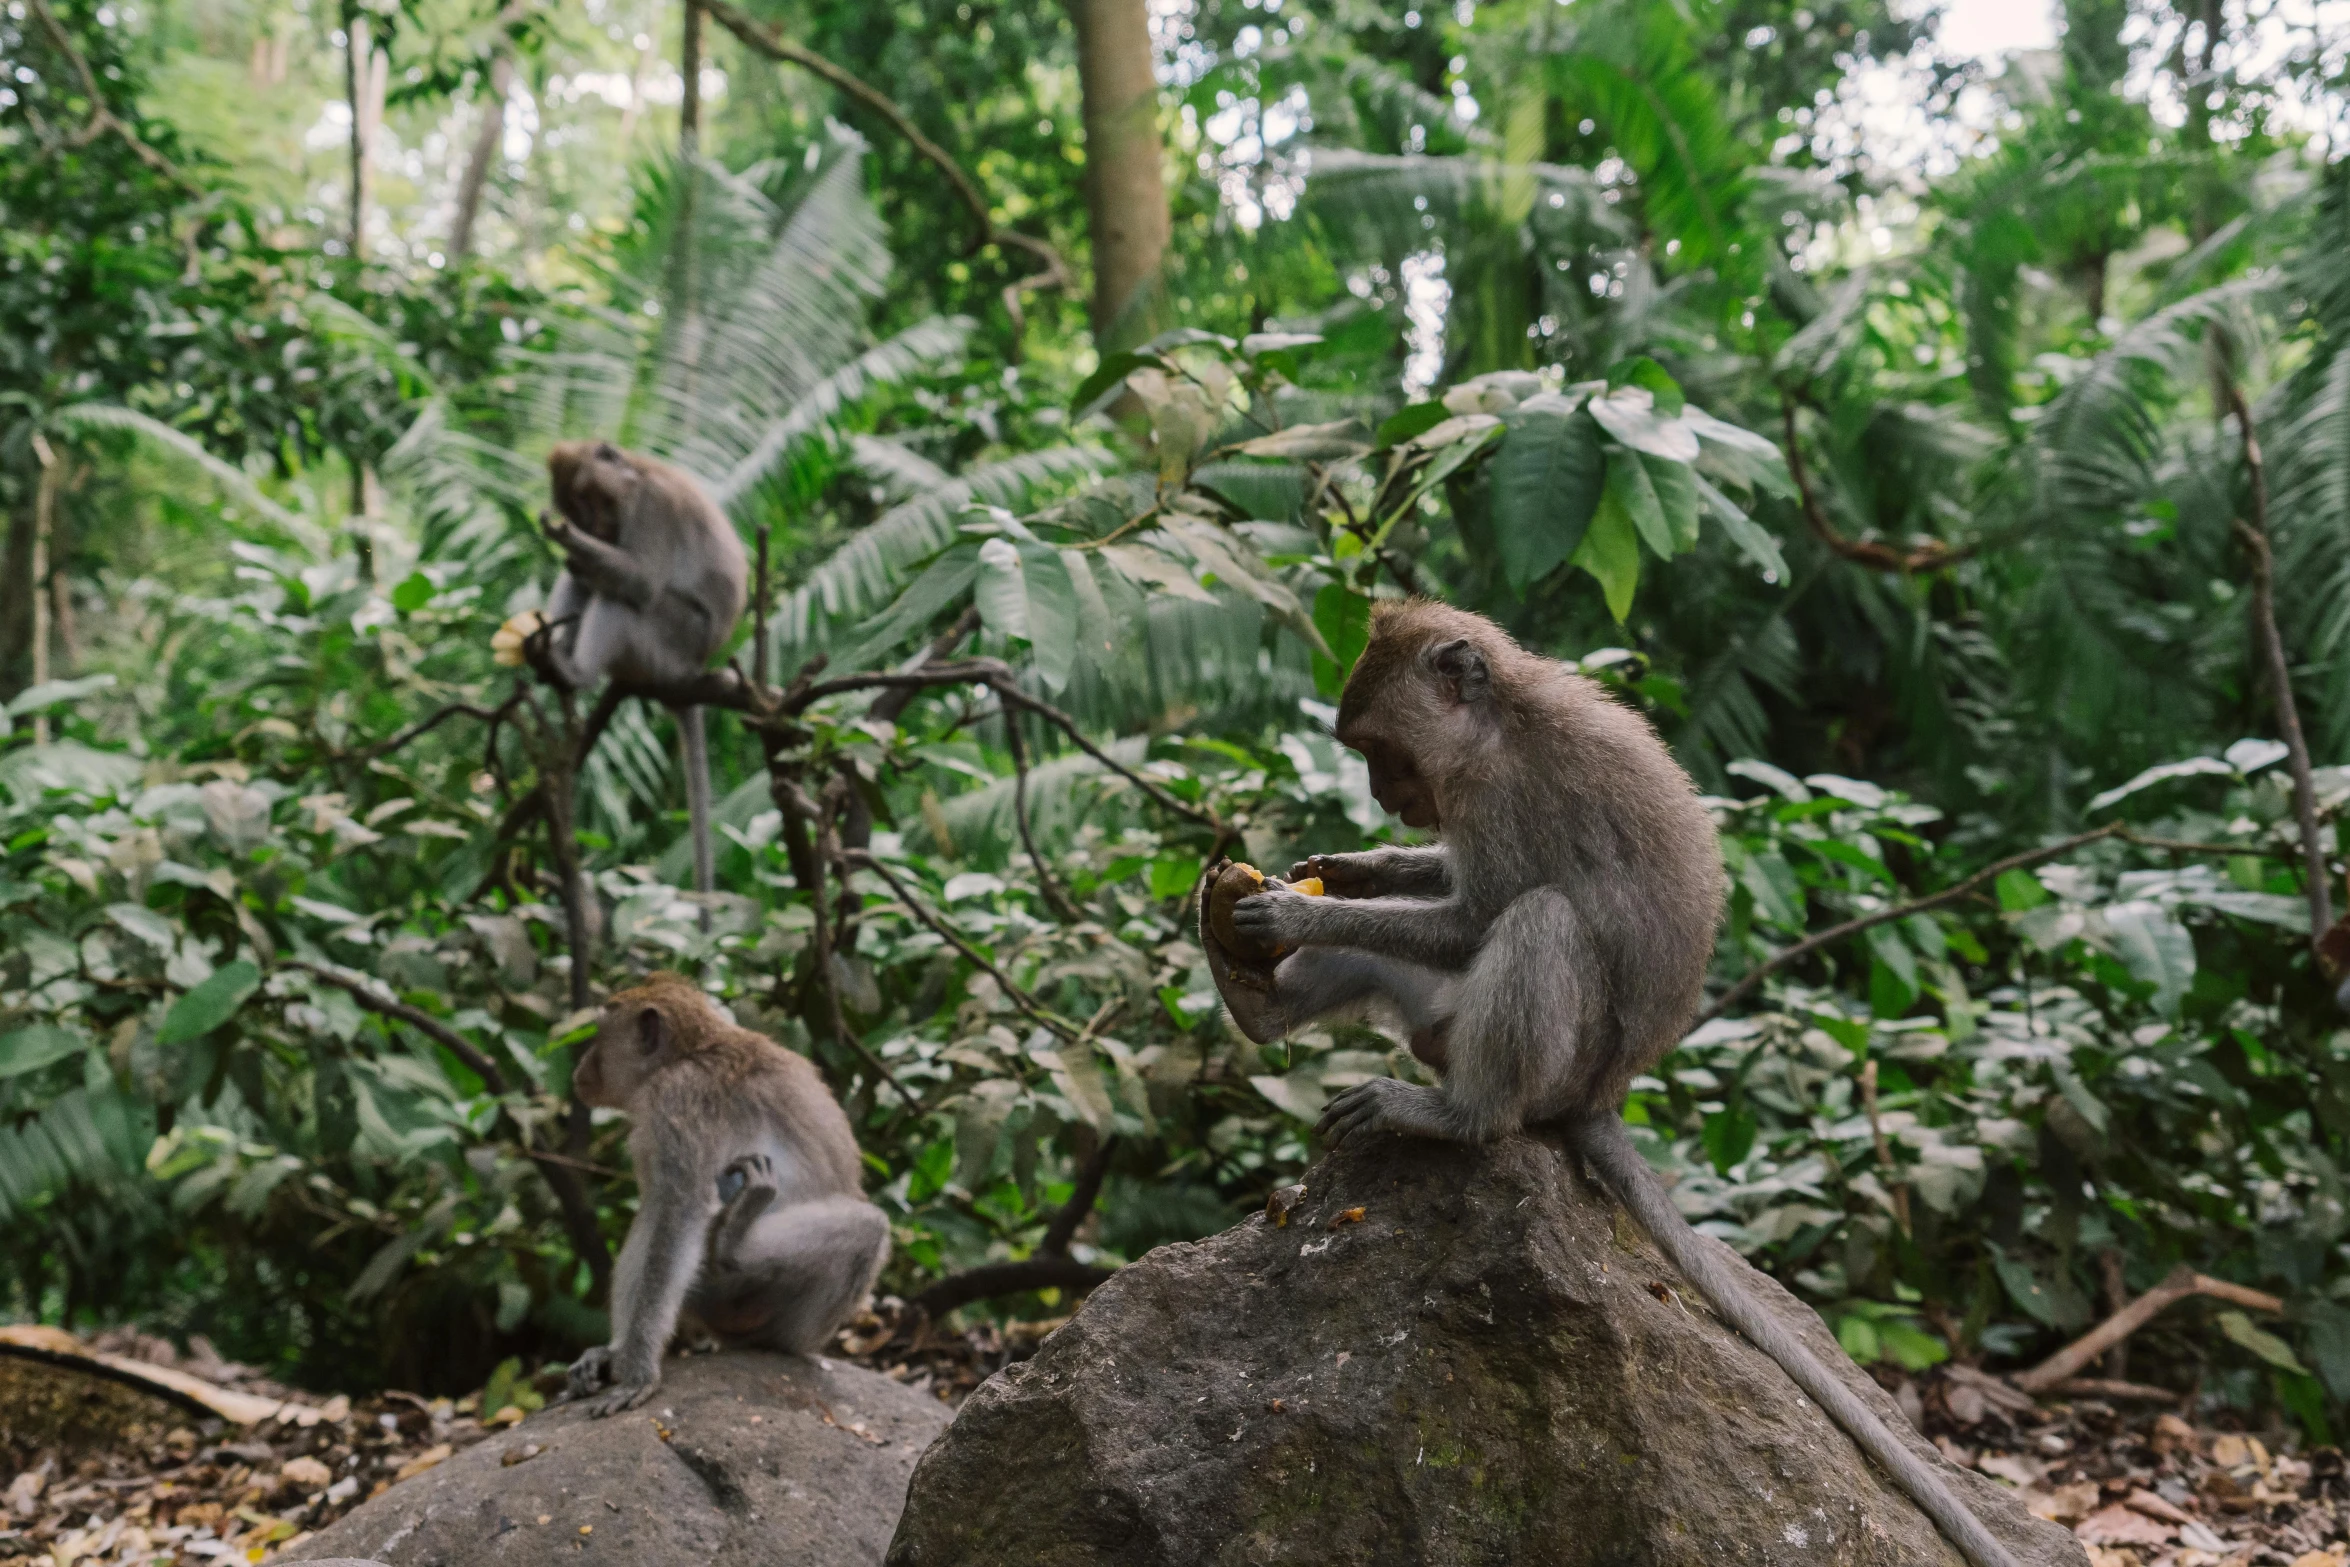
(1233, 883)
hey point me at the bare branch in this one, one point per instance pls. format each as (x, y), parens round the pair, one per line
(1931, 555)
(829, 852)
(1053, 271)
(363, 990)
(102, 119)
(2253, 530)
(1754, 977)
(2183, 1282)
(1044, 876)
(1019, 997)
(1006, 1278)
(488, 715)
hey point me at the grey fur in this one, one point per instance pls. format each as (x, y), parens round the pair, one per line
(654, 581)
(1567, 919)
(749, 1216)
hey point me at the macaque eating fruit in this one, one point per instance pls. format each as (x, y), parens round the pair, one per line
(1552, 946)
(654, 580)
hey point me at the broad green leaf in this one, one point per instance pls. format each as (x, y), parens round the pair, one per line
(1729, 1137)
(1294, 1095)
(55, 693)
(1858, 1335)
(1097, 631)
(1052, 614)
(1343, 616)
(2156, 948)
(1139, 563)
(414, 592)
(1676, 492)
(143, 922)
(2019, 890)
(1000, 591)
(1629, 413)
(1629, 489)
(2240, 1330)
(1332, 442)
(30, 1048)
(2024, 1287)
(1655, 379)
(1610, 551)
(1174, 875)
(210, 1004)
(1409, 422)
(2250, 756)
(1108, 381)
(1739, 456)
(1546, 484)
(1911, 1347)
(944, 581)
(2192, 767)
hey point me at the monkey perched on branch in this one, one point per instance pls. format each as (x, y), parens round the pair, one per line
(749, 1214)
(1551, 948)
(654, 581)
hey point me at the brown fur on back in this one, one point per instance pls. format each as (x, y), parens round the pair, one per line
(1554, 783)
(722, 1070)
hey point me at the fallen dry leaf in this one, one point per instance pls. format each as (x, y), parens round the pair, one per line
(308, 1473)
(423, 1461)
(2067, 1504)
(2121, 1525)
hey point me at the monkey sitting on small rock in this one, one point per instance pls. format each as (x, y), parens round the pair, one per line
(749, 1218)
(1550, 948)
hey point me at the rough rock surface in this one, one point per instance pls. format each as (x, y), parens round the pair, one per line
(741, 1459)
(1444, 1357)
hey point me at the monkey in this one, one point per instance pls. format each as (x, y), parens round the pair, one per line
(654, 581)
(1553, 943)
(749, 1214)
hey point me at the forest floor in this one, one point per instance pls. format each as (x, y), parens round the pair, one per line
(2139, 1486)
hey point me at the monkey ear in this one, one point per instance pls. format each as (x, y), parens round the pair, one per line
(607, 452)
(1459, 662)
(652, 1030)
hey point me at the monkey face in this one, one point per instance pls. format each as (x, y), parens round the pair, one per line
(593, 482)
(633, 1040)
(1397, 783)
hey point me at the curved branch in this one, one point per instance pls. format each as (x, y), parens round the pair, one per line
(1932, 555)
(1053, 271)
(1007, 1278)
(1020, 998)
(362, 991)
(1754, 977)
(103, 120)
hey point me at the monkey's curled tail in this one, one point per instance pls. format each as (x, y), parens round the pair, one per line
(1627, 1176)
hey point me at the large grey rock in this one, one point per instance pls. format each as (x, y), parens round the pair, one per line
(741, 1459)
(1491, 1366)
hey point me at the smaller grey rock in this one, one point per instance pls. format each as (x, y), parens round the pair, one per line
(740, 1460)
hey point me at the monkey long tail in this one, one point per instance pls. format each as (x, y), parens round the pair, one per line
(1628, 1177)
(697, 799)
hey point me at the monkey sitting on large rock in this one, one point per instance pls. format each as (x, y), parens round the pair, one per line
(1550, 948)
(654, 581)
(749, 1213)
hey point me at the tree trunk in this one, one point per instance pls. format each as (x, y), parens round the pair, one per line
(364, 69)
(1125, 187)
(486, 141)
(44, 525)
(16, 606)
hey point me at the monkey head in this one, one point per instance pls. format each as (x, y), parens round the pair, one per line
(642, 1030)
(594, 482)
(1419, 704)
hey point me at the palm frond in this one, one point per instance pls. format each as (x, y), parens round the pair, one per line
(180, 444)
(918, 348)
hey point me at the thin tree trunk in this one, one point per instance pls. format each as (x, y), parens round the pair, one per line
(689, 69)
(1125, 185)
(16, 605)
(44, 522)
(364, 70)
(486, 141)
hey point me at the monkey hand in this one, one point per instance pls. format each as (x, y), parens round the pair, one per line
(1276, 919)
(1383, 1105)
(587, 1373)
(1341, 875)
(627, 1396)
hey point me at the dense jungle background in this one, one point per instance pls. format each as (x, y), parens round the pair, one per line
(1929, 445)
